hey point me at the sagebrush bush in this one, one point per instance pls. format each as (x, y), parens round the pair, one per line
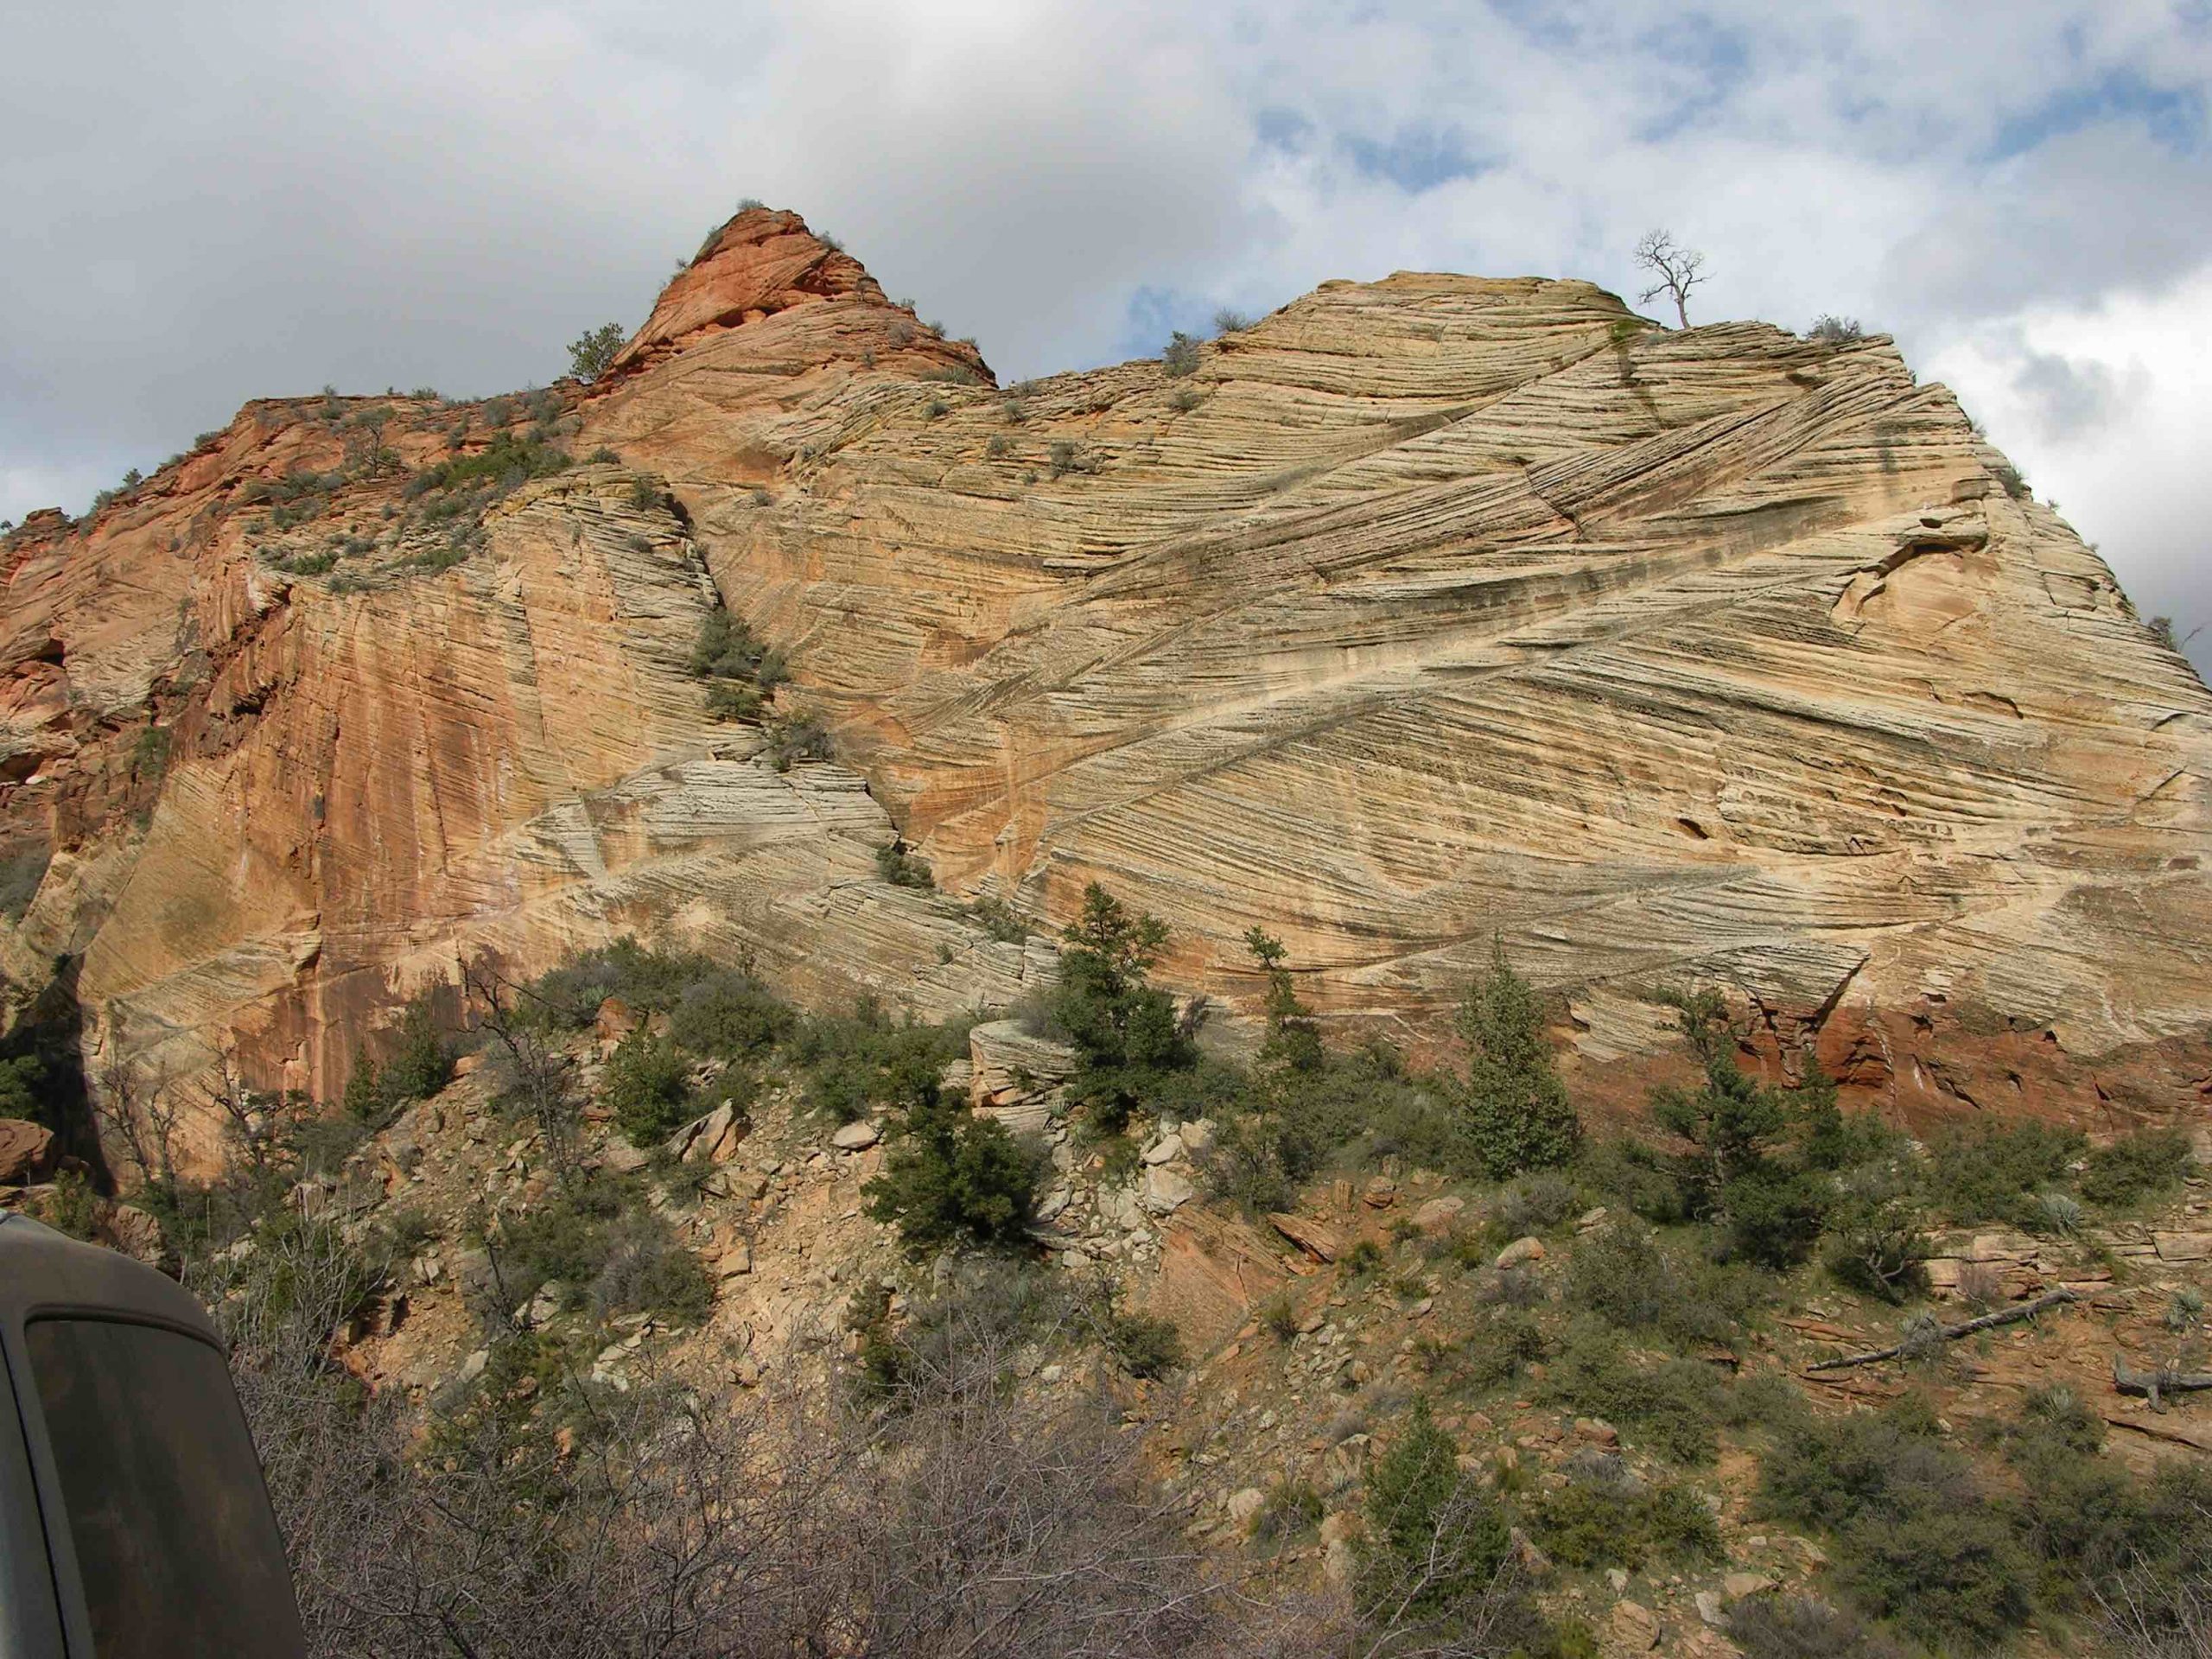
(728, 1015)
(644, 1269)
(1674, 1406)
(1534, 1204)
(1798, 1627)
(1918, 1540)
(1625, 1275)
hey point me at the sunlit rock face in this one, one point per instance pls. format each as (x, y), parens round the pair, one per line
(1422, 613)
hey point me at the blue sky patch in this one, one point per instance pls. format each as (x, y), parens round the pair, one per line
(2172, 116)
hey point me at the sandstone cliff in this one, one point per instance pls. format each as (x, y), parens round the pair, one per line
(1422, 611)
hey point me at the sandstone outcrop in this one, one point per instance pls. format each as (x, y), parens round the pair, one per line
(1424, 611)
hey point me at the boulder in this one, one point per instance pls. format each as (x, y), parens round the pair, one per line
(1164, 1150)
(1635, 1626)
(126, 1228)
(620, 1157)
(1521, 1252)
(26, 1149)
(1317, 1239)
(1439, 1216)
(1166, 1190)
(856, 1136)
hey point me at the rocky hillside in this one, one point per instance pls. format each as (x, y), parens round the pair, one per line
(1418, 613)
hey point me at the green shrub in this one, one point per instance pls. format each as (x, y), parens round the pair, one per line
(1497, 1350)
(1180, 356)
(1736, 1126)
(150, 755)
(1797, 1627)
(796, 738)
(1142, 1346)
(1917, 1539)
(1992, 1172)
(505, 463)
(999, 920)
(1947, 1576)
(1621, 1522)
(1065, 457)
(1630, 1175)
(1622, 1273)
(422, 1065)
(593, 352)
(1517, 1112)
(953, 1177)
(902, 868)
(856, 1062)
(2148, 1164)
(1124, 1030)
(648, 1087)
(1674, 1406)
(1434, 1542)
(20, 1094)
(1877, 1241)
(561, 1241)
(645, 1270)
(728, 1015)
(1534, 1204)
(2161, 1604)
(569, 997)
(2082, 1517)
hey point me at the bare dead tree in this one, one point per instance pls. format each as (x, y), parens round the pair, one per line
(2160, 1611)
(1677, 270)
(1933, 1335)
(543, 1085)
(139, 1116)
(259, 1126)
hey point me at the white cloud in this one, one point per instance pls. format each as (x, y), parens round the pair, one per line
(2131, 476)
(276, 195)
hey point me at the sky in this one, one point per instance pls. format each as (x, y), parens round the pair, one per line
(205, 204)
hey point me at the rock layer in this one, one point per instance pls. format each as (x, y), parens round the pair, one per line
(1424, 611)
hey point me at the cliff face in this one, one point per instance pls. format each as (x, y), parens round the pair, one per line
(1422, 612)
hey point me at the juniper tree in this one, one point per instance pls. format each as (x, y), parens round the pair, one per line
(1516, 1111)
